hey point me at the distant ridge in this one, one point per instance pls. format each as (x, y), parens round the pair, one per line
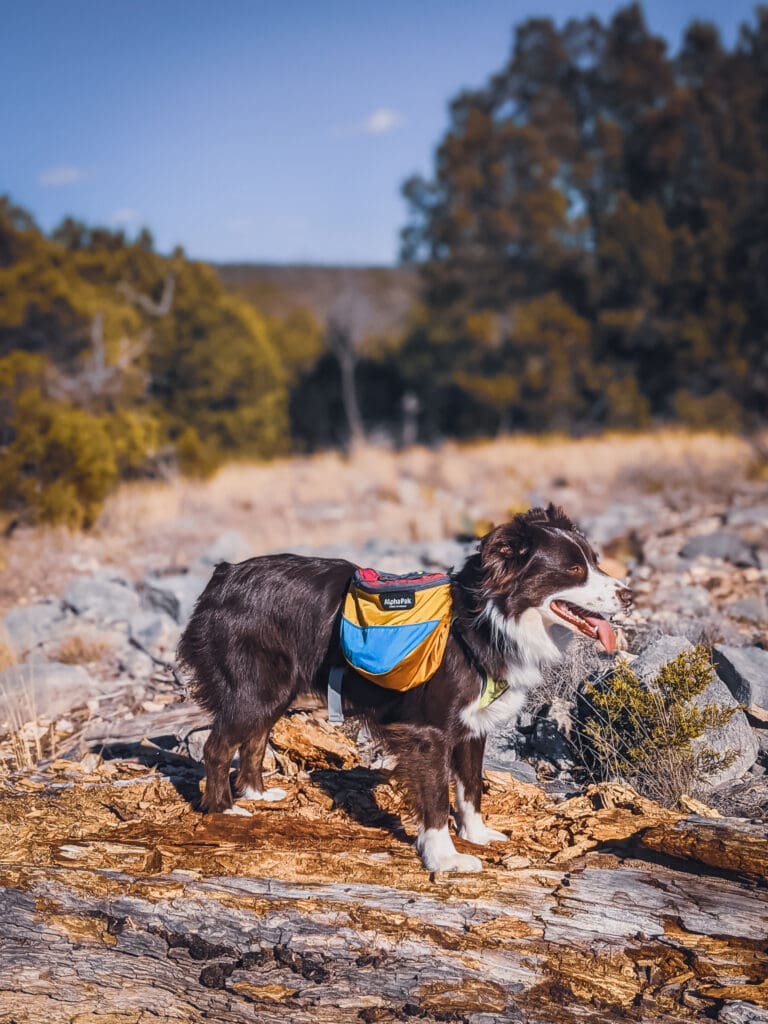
(374, 300)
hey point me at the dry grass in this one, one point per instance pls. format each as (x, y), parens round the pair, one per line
(19, 710)
(418, 494)
(81, 650)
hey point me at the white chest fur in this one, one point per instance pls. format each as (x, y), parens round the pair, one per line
(530, 647)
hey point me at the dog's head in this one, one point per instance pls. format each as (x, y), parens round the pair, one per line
(541, 561)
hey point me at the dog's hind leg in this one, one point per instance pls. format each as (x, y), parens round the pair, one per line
(422, 765)
(250, 782)
(217, 754)
(467, 765)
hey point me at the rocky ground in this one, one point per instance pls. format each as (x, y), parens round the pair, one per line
(602, 902)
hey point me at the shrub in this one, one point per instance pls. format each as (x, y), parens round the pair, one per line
(646, 734)
(196, 458)
(718, 411)
(61, 463)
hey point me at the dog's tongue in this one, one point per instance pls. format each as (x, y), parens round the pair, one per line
(605, 633)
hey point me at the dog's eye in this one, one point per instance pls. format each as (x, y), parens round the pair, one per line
(576, 569)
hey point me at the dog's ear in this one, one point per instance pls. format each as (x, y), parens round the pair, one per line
(508, 545)
(556, 517)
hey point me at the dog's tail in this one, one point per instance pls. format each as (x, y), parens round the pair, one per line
(206, 682)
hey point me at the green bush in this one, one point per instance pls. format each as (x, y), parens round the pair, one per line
(716, 411)
(195, 457)
(646, 734)
(61, 464)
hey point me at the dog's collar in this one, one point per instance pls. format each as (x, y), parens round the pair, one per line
(491, 689)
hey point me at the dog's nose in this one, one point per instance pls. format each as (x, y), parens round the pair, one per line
(624, 594)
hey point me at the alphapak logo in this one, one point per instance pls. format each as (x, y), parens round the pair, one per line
(398, 600)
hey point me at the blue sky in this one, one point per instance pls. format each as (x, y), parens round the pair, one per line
(250, 129)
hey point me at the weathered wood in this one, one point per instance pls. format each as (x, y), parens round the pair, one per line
(119, 902)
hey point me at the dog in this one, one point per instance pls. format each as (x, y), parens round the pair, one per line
(267, 629)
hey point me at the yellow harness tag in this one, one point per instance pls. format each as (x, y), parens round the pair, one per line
(492, 690)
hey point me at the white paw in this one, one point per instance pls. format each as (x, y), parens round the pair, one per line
(455, 862)
(249, 793)
(439, 854)
(238, 810)
(481, 835)
(274, 794)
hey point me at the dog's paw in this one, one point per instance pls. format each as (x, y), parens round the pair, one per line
(481, 835)
(238, 810)
(457, 862)
(270, 795)
(439, 854)
(274, 794)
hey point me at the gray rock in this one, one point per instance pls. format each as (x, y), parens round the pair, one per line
(620, 519)
(445, 554)
(501, 750)
(42, 690)
(649, 663)
(742, 1013)
(155, 632)
(744, 670)
(230, 546)
(101, 600)
(194, 742)
(173, 595)
(755, 515)
(721, 544)
(749, 609)
(548, 742)
(735, 736)
(136, 664)
(28, 627)
(683, 600)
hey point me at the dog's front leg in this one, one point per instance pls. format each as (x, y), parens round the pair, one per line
(423, 766)
(467, 763)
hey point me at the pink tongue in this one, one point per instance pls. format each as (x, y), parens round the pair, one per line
(605, 634)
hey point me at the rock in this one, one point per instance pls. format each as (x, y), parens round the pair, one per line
(173, 595)
(649, 663)
(136, 663)
(194, 742)
(101, 600)
(547, 740)
(754, 515)
(445, 554)
(501, 751)
(744, 670)
(620, 519)
(735, 736)
(739, 1012)
(155, 632)
(721, 544)
(749, 609)
(42, 690)
(683, 600)
(28, 627)
(230, 546)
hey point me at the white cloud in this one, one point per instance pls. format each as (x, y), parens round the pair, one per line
(382, 121)
(54, 177)
(125, 215)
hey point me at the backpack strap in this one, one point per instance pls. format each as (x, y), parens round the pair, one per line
(335, 682)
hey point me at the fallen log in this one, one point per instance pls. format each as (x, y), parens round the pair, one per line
(119, 902)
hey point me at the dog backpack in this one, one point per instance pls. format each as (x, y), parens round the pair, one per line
(394, 628)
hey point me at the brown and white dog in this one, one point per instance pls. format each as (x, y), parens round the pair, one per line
(267, 629)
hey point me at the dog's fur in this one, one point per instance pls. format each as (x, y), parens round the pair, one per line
(267, 629)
